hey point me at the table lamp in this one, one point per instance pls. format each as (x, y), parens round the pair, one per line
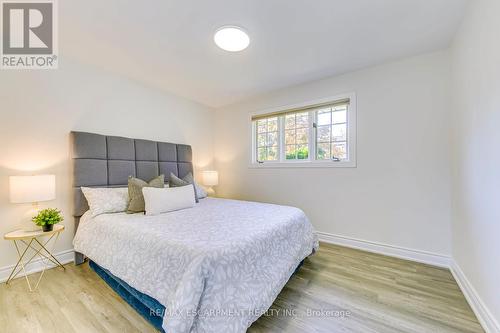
(209, 179)
(32, 189)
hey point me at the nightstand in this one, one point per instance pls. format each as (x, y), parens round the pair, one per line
(33, 240)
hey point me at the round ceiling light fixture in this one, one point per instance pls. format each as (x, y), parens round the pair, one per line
(231, 38)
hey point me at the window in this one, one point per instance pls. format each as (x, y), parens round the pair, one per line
(297, 136)
(331, 129)
(320, 133)
(268, 139)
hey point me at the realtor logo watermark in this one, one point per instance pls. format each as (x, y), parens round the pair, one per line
(29, 35)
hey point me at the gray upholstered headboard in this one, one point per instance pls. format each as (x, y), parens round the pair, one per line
(107, 161)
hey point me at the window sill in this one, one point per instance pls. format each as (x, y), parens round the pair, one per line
(283, 165)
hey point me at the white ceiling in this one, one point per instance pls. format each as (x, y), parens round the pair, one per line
(169, 43)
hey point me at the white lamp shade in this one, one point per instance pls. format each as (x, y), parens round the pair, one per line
(24, 189)
(210, 178)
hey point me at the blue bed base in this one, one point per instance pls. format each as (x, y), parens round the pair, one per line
(148, 307)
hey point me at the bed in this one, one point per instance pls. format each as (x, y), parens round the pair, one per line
(216, 267)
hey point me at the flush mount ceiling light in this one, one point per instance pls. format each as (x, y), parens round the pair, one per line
(231, 38)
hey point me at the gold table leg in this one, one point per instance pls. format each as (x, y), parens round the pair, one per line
(47, 256)
(50, 254)
(20, 261)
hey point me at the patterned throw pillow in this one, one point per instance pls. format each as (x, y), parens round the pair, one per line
(188, 179)
(103, 200)
(135, 185)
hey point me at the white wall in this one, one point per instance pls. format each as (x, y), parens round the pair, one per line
(399, 194)
(476, 158)
(38, 109)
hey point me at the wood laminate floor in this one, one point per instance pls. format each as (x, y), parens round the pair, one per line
(337, 290)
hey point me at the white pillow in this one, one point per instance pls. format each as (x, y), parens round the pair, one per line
(163, 200)
(103, 200)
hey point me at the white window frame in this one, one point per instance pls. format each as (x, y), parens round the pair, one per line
(311, 162)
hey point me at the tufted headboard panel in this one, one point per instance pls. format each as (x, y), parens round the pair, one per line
(107, 161)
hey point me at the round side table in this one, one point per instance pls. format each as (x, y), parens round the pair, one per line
(33, 241)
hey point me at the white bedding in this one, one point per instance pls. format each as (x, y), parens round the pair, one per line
(215, 267)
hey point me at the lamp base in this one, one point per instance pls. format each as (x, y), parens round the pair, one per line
(27, 224)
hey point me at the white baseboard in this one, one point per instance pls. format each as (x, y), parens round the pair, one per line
(35, 266)
(489, 323)
(388, 250)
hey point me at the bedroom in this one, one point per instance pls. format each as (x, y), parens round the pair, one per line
(367, 125)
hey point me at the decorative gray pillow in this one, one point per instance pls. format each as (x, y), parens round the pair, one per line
(135, 185)
(188, 179)
(200, 192)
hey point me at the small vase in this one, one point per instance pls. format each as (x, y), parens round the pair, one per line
(47, 227)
